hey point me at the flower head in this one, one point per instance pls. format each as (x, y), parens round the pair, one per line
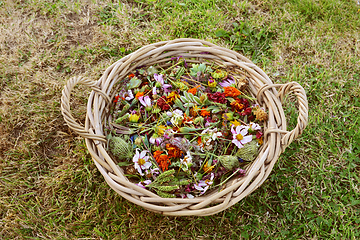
(134, 118)
(227, 83)
(203, 185)
(239, 135)
(217, 97)
(128, 95)
(141, 161)
(160, 81)
(162, 104)
(146, 102)
(231, 92)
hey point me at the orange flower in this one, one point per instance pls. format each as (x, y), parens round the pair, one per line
(206, 168)
(231, 92)
(204, 112)
(164, 162)
(193, 90)
(173, 151)
(157, 153)
(131, 75)
(139, 94)
(237, 104)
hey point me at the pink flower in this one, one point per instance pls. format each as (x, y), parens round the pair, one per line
(239, 135)
(146, 102)
(203, 185)
(160, 80)
(227, 83)
(141, 161)
(144, 183)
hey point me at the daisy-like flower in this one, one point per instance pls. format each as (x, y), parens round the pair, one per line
(209, 135)
(160, 80)
(203, 185)
(186, 162)
(141, 161)
(146, 102)
(228, 83)
(156, 140)
(177, 117)
(239, 135)
(128, 95)
(254, 126)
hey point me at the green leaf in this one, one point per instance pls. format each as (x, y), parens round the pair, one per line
(124, 164)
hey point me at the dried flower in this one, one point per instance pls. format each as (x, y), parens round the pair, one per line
(161, 102)
(239, 135)
(173, 151)
(146, 102)
(231, 92)
(141, 161)
(261, 115)
(134, 118)
(204, 112)
(217, 97)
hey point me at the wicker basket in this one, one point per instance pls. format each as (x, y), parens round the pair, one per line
(276, 136)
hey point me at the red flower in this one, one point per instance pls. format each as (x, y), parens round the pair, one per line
(247, 111)
(259, 135)
(116, 99)
(161, 102)
(217, 97)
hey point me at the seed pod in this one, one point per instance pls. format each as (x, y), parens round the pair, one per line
(249, 151)
(229, 162)
(121, 148)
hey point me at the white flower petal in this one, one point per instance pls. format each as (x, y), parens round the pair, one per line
(246, 139)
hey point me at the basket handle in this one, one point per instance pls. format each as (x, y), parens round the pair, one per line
(65, 106)
(298, 90)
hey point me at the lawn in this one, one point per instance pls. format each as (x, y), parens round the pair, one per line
(49, 185)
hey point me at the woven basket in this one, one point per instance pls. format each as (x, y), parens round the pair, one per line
(276, 136)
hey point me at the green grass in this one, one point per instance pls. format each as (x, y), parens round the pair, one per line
(49, 186)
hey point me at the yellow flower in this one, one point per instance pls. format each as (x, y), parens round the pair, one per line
(134, 118)
(207, 168)
(212, 83)
(235, 123)
(160, 130)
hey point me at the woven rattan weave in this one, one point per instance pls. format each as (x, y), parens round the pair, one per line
(269, 96)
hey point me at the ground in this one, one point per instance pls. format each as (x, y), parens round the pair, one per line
(49, 186)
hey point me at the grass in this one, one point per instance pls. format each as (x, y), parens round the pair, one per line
(49, 186)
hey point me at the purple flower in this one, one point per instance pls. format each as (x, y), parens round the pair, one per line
(227, 83)
(203, 185)
(160, 80)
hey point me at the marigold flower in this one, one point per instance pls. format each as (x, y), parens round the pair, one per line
(131, 75)
(237, 104)
(162, 159)
(231, 92)
(139, 94)
(193, 90)
(173, 151)
(204, 112)
(172, 96)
